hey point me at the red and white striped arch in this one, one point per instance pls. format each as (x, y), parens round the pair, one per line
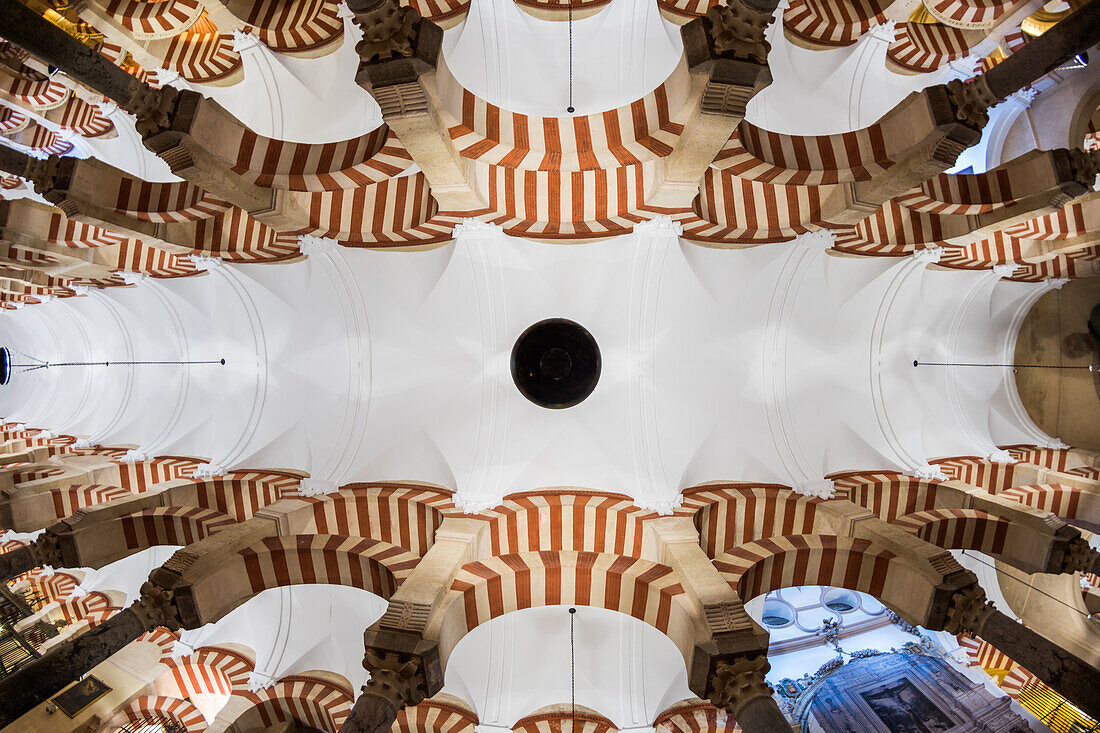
(36, 95)
(494, 586)
(163, 202)
(566, 520)
(1063, 501)
(641, 131)
(395, 212)
(894, 231)
(1052, 458)
(806, 160)
(695, 716)
(155, 20)
(202, 54)
(729, 515)
(922, 47)
(95, 608)
(295, 26)
(977, 471)
(71, 499)
(966, 194)
(968, 13)
(239, 494)
(958, 529)
(755, 568)
(51, 587)
(564, 721)
(404, 515)
(311, 701)
(181, 711)
(733, 210)
(82, 118)
(888, 494)
(371, 565)
(235, 236)
(208, 670)
(435, 716)
(360, 161)
(175, 525)
(140, 476)
(826, 24)
(567, 204)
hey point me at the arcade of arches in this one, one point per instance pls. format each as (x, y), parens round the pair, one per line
(274, 457)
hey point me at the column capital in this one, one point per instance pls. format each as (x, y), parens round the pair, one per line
(970, 101)
(967, 610)
(404, 667)
(156, 607)
(736, 681)
(1079, 557)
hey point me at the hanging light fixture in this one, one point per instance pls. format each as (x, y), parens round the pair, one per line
(918, 363)
(8, 368)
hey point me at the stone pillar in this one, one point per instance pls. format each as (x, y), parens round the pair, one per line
(1069, 675)
(398, 58)
(727, 55)
(30, 31)
(404, 670)
(1074, 34)
(17, 562)
(404, 665)
(45, 550)
(730, 657)
(35, 683)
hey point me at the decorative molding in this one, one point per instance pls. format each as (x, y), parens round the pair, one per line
(659, 225)
(475, 504)
(243, 41)
(258, 682)
(822, 239)
(317, 487)
(929, 472)
(133, 278)
(1055, 444)
(1056, 283)
(1006, 269)
(206, 262)
(83, 443)
(81, 289)
(135, 455)
(476, 226)
(208, 470)
(822, 489)
(311, 245)
(181, 650)
(928, 255)
(663, 507)
(1001, 456)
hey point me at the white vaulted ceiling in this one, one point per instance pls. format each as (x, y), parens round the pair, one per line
(773, 364)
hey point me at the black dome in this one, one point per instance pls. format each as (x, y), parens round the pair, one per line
(556, 363)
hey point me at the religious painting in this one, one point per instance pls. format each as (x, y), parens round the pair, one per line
(905, 709)
(81, 695)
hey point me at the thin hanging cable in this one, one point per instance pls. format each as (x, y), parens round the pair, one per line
(570, 108)
(1090, 367)
(25, 368)
(572, 671)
